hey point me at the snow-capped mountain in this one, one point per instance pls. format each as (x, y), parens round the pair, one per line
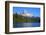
(25, 13)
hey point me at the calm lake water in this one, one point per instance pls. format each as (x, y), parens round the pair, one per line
(19, 24)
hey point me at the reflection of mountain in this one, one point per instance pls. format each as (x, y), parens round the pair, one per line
(20, 18)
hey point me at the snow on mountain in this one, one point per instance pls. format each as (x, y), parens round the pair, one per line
(25, 13)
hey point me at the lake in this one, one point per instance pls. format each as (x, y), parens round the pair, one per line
(25, 24)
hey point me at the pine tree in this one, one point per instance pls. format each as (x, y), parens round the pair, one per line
(16, 15)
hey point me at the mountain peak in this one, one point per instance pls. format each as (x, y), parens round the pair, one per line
(27, 14)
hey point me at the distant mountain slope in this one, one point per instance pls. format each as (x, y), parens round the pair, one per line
(20, 18)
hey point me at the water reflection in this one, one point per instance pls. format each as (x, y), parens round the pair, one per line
(20, 24)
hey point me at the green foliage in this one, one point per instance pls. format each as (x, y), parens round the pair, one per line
(19, 18)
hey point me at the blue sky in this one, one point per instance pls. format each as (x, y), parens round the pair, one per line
(30, 10)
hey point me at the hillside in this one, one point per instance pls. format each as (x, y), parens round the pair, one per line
(20, 18)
